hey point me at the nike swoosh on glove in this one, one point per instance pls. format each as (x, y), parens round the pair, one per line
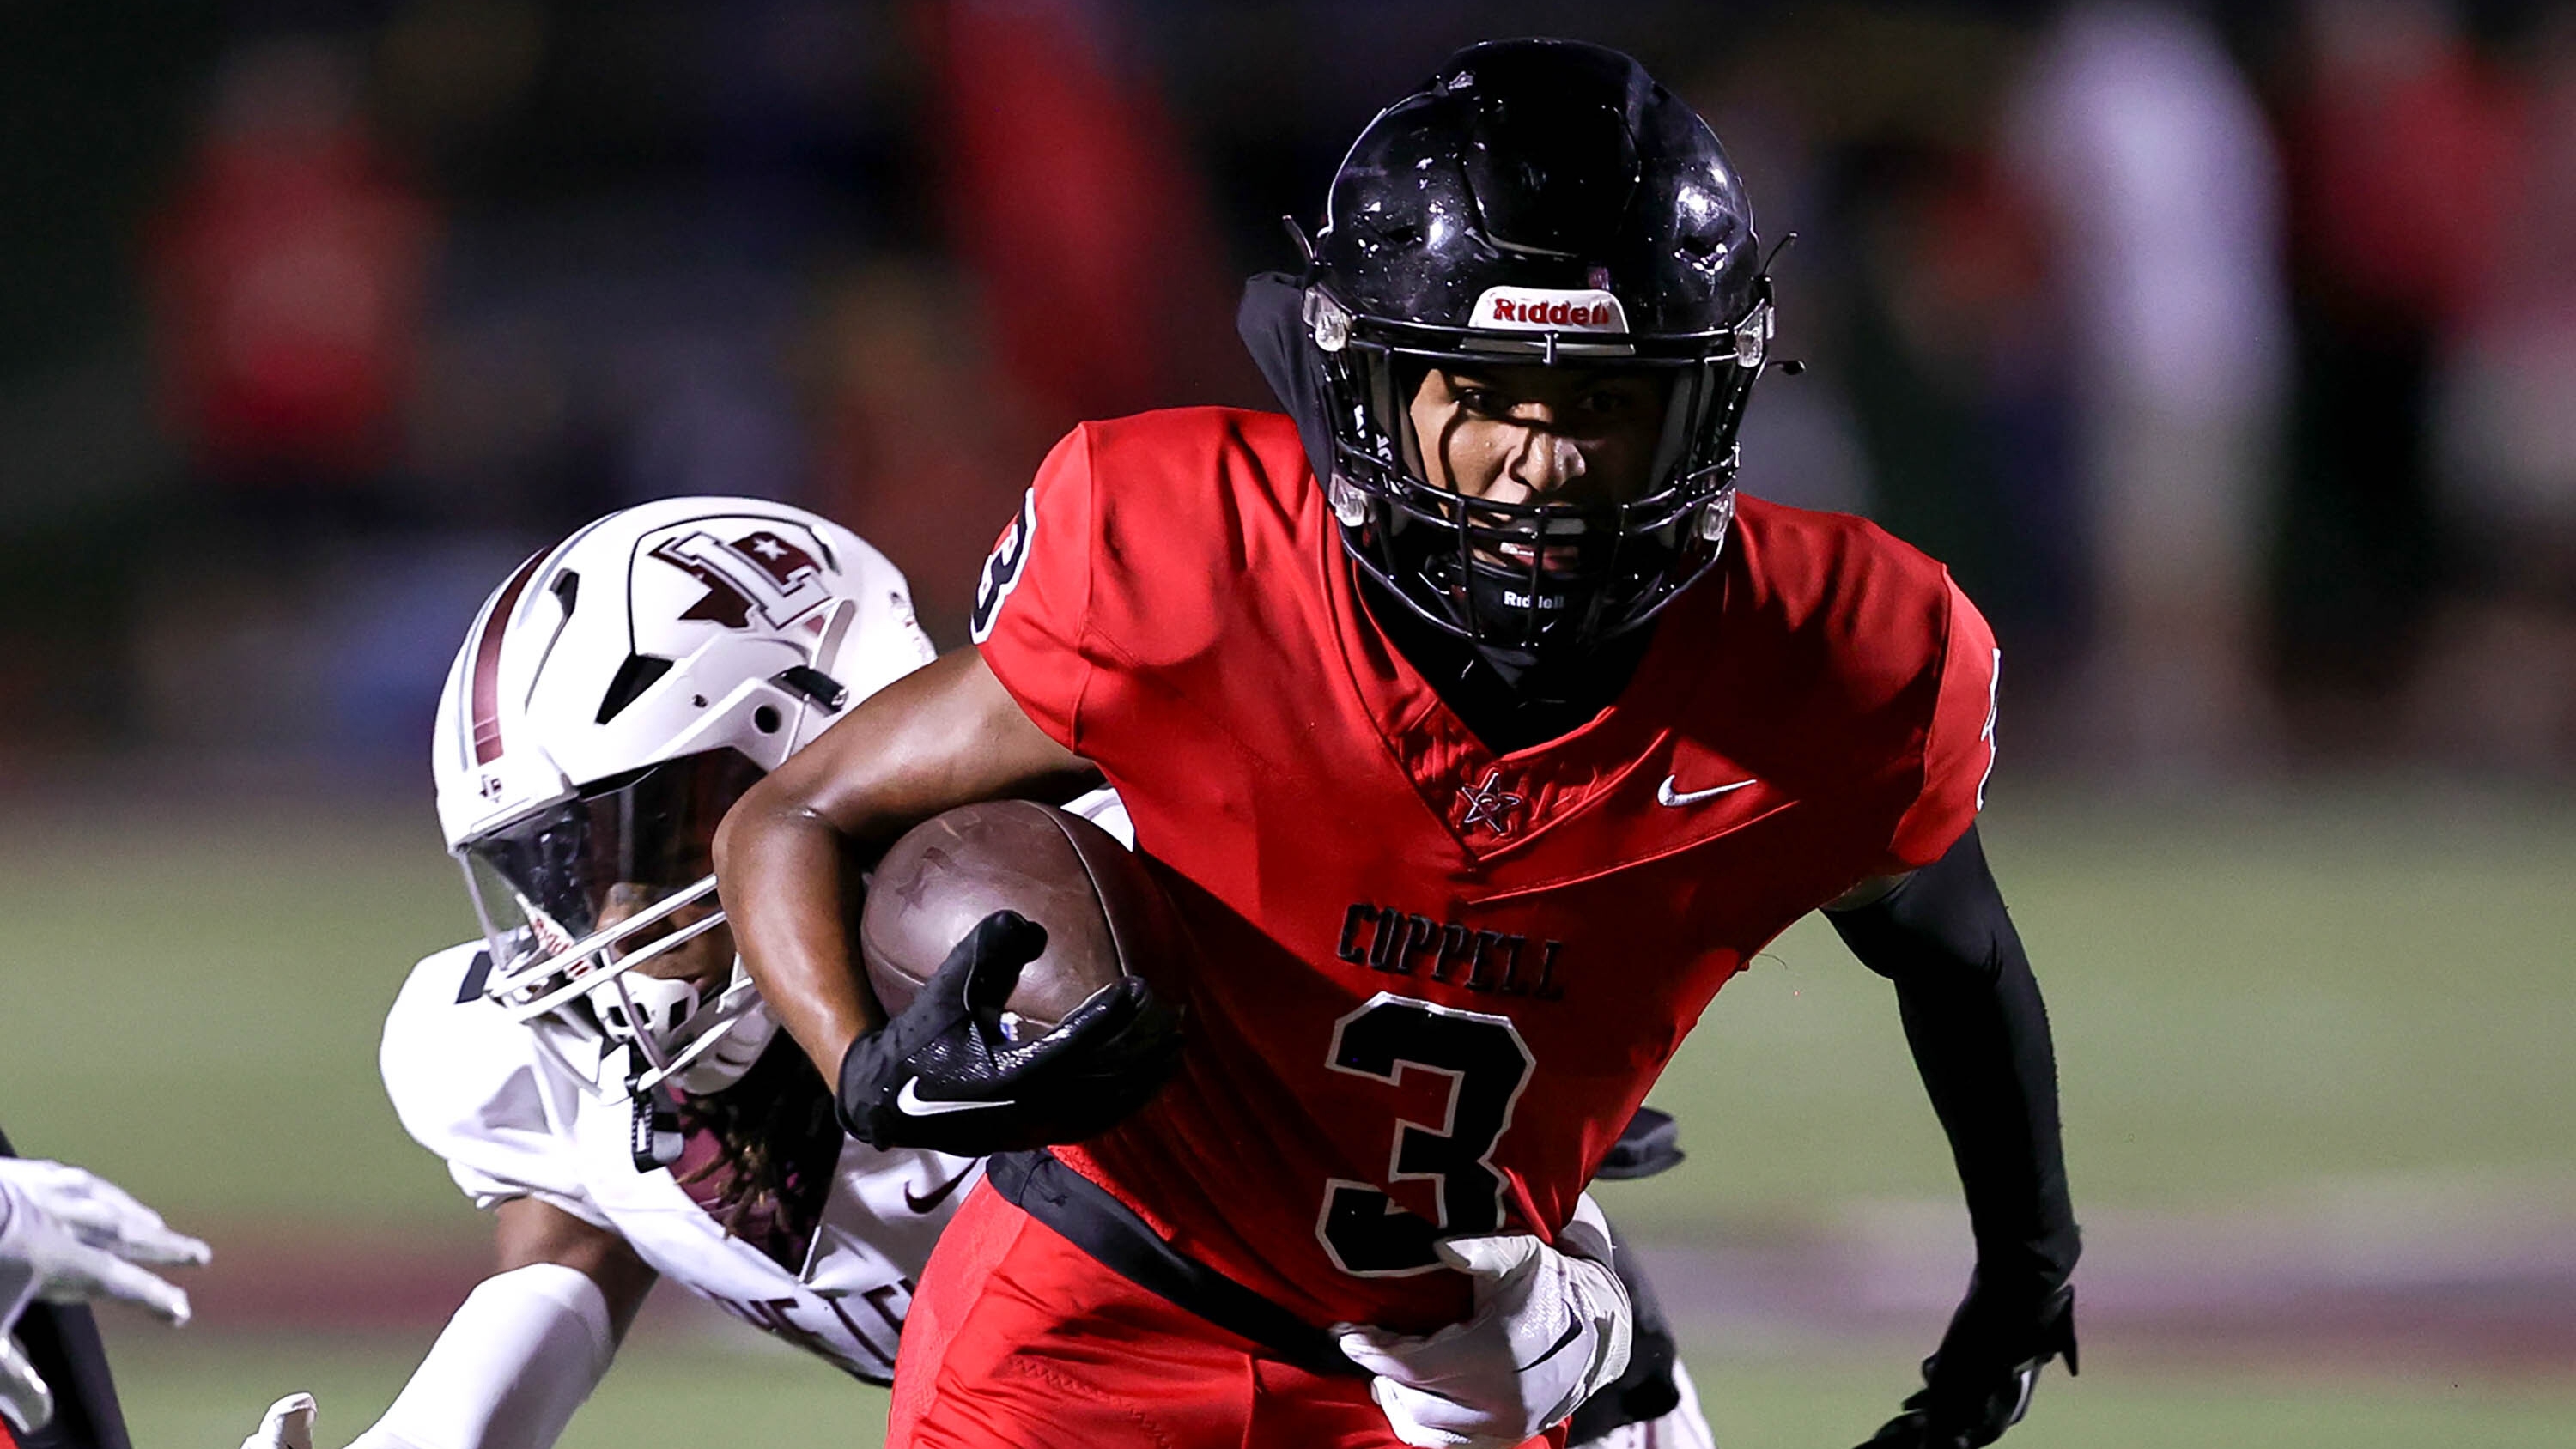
(1550, 1326)
(1981, 1380)
(943, 1076)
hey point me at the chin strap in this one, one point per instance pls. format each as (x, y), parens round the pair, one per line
(653, 1137)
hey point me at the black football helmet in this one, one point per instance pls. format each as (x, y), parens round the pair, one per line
(1546, 202)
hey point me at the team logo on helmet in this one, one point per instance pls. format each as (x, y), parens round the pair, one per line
(760, 574)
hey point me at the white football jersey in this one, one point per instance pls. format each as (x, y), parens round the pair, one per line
(515, 1115)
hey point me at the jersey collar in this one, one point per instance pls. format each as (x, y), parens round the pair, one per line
(1493, 804)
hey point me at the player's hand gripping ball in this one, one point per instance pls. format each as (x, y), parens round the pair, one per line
(946, 1075)
(1032, 1029)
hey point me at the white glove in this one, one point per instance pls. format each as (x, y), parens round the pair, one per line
(67, 1236)
(288, 1424)
(1550, 1325)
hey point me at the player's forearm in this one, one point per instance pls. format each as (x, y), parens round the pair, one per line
(1979, 1032)
(528, 1231)
(946, 735)
(519, 1356)
(1986, 1059)
(781, 873)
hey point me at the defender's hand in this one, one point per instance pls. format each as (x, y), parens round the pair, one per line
(288, 1424)
(1550, 1326)
(69, 1236)
(944, 1077)
(1980, 1382)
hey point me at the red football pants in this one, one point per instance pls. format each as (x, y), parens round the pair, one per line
(1020, 1340)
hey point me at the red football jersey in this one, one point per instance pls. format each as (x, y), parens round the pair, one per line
(1430, 984)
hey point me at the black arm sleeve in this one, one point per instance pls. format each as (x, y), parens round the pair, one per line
(1979, 1032)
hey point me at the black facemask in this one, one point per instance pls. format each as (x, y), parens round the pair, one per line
(1510, 698)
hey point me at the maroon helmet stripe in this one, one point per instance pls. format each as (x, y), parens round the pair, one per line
(487, 666)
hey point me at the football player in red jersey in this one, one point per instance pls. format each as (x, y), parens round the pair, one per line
(1481, 733)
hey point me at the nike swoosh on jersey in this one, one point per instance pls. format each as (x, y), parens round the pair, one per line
(1665, 794)
(938, 1194)
(911, 1103)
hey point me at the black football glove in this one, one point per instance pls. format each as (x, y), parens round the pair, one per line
(1980, 1381)
(942, 1075)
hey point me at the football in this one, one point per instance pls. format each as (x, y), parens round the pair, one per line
(1102, 910)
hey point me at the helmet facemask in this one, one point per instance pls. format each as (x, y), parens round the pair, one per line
(1533, 584)
(578, 897)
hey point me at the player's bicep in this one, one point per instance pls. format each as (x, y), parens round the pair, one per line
(945, 735)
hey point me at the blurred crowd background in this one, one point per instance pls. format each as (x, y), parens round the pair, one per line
(2226, 352)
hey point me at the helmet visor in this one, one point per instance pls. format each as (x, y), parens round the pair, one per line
(614, 853)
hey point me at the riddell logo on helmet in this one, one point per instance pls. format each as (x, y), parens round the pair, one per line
(1549, 309)
(1552, 314)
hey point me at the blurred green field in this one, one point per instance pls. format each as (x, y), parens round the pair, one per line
(2253, 995)
(2249, 997)
(207, 1399)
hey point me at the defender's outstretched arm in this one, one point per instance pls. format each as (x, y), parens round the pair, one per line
(944, 736)
(521, 1353)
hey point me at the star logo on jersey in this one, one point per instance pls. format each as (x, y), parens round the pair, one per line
(1489, 804)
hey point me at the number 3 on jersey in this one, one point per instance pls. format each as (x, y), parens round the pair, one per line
(1487, 1064)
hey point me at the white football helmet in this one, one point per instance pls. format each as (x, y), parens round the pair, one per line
(615, 696)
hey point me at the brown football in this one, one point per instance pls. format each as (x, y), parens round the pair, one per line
(1102, 911)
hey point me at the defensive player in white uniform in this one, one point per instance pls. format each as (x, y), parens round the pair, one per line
(598, 1072)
